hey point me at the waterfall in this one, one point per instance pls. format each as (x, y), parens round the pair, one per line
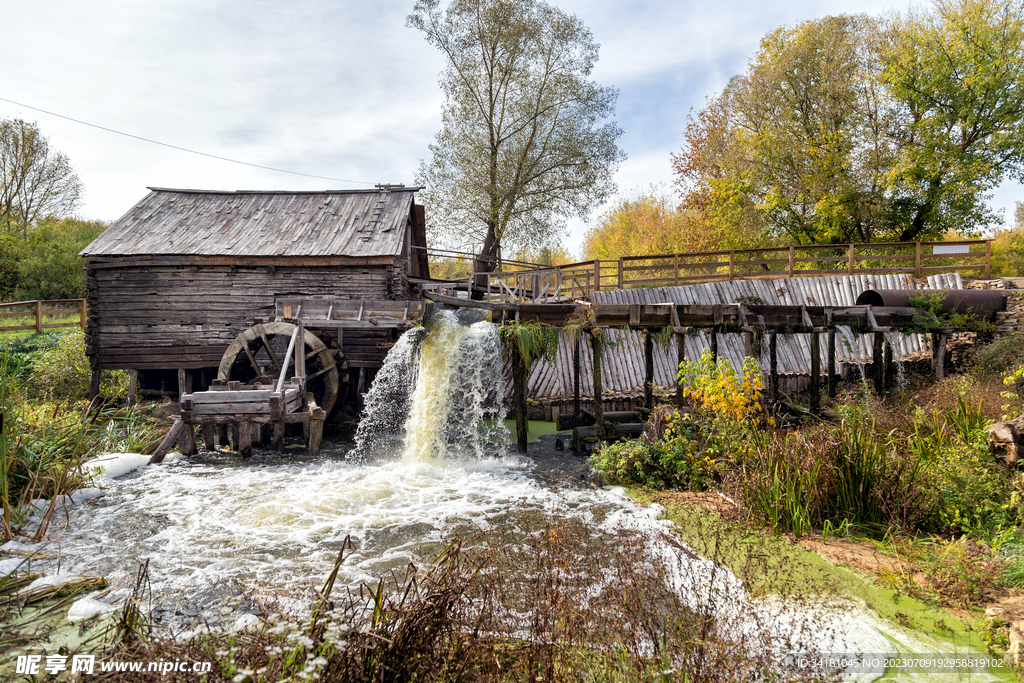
(893, 339)
(443, 385)
(852, 344)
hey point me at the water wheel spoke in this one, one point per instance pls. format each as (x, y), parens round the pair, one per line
(322, 371)
(252, 360)
(269, 348)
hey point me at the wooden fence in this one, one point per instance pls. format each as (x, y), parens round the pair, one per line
(920, 259)
(40, 310)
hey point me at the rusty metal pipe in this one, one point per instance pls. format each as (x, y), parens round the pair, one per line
(982, 302)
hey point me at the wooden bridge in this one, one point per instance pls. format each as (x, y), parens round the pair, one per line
(516, 282)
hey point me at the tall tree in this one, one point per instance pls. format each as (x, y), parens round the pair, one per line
(524, 142)
(850, 129)
(957, 76)
(35, 180)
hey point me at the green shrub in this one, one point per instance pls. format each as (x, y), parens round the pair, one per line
(62, 370)
(1000, 356)
(49, 266)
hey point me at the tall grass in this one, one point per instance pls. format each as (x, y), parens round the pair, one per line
(43, 445)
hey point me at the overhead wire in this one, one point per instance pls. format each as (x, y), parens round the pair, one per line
(183, 149)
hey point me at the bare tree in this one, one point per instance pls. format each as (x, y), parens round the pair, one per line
(522, 145)
(35, 180)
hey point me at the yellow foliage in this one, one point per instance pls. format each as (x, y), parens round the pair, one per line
(646, 224)
(716, 387)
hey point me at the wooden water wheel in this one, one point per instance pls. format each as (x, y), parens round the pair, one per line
(258, 353)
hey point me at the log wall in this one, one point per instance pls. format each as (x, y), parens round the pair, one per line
(183, 315)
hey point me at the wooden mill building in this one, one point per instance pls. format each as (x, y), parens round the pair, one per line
(180, 276)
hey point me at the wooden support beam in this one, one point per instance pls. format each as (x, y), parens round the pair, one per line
(714, 343)
(167, 442)
(187, 440)
(939, 354)
(596, 346)
(94, 384)
(577, 413)
(832, 378)
(879, 363)
(815, 373)
(236, 436)
(222, 435)
(681, 358)
(648, 370)
(888, 380)
(277, 439)
(133, 385)
(245, 439)
(209, 437)
(773, 367)
(519, 397)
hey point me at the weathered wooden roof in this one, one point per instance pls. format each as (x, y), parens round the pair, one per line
(252, 223)
(622, 366)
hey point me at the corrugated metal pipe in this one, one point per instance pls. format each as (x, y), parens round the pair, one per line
(982, 302)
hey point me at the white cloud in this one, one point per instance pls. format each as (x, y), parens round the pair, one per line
(340, 89)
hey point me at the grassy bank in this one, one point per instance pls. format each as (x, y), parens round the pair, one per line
(48, 428)
(910, 478)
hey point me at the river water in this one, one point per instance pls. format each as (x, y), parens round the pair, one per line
(431, 462)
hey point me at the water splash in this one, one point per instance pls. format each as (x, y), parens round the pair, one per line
(442, 386)
(457, 404)
(895, 341)
(386, 404)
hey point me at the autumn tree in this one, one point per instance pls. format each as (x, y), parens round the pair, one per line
(645, 224)
(35, 180)
(852, 129)
(525, 141)
(956, 75)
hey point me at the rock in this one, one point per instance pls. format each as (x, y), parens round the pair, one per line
(1015, 652)
(164, 409)
(994, 612)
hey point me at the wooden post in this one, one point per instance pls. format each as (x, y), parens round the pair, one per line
(879, 362)
(576, 412)
(773, 366)
(245, 439)
(39, 316)
(939, 354)
(988, 259)
(236, 437)
(222, 435)
(94, 384)
(519, 397)
(714, 344)
(748, 344)
(167, 442)
(133, 385)
(81, 313)
(622, 284)
(681, 357)
(792, 260)
(181, 383)
(209, 437)
(675, 278)
(832, 379)
(888, 382)
(596, 344)
(277, 440)
(849, 260)
(597, 275)
(917, 260)
(731, 269)
(815, 372)
(187, 440)
(648, 370)
(316, 432)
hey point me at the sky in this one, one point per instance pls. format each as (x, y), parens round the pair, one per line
(336, 88)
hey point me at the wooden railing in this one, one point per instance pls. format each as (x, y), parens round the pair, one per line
(38, 310)
(579, 279)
